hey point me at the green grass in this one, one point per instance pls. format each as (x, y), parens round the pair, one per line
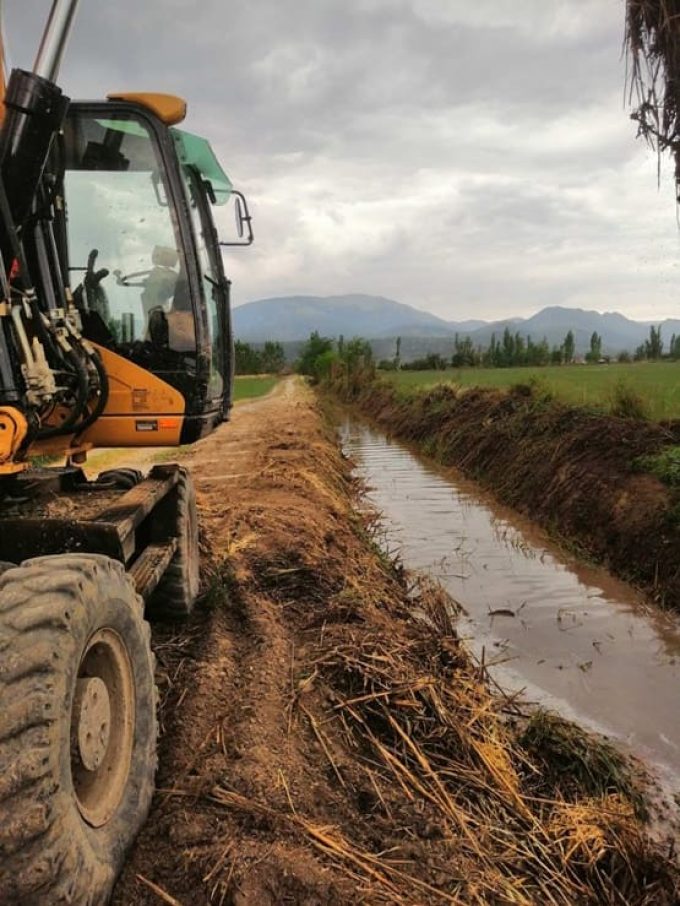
(656, 383)
(665, 465)
(576, 764)
(249, 386)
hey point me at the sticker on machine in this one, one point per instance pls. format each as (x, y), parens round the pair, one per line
(140, 399)
(146, 426)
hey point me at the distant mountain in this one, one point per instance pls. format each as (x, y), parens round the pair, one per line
(468, 326)
(618, 332)
(295, 317)
(291, 319)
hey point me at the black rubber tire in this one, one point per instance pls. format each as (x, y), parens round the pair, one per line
(50, 607)
(120, 478)
(5, 565)
(176, 594)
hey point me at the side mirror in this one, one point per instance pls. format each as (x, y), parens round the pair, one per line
(239, 211)
(244, 227)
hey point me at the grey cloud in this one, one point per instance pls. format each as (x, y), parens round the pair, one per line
(468, 158)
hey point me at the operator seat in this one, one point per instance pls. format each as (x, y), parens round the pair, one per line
(159, 286)
(169, 327)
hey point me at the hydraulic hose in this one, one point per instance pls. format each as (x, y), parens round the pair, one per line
(70, 425)
(67, 426)
(95, 359)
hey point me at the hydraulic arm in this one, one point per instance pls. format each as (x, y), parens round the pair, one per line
(52, 381)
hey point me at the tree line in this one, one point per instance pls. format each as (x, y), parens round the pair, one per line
(270, 359)
(323, 357)
(320, 358)
(513, 350)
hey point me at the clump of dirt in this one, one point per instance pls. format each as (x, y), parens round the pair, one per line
(327, 738)
(576, 472)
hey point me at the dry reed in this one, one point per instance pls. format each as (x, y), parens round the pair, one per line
(429, 737)
(653, 44)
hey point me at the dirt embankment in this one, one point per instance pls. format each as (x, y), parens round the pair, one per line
(571, 470)
(327, 739)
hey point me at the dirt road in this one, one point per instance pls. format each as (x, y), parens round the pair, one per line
(323, 745)
(144, 457)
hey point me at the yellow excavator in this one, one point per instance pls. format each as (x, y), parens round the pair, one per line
(115, 331)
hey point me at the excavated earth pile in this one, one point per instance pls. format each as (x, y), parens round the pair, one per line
(328, 740)
(576, 472)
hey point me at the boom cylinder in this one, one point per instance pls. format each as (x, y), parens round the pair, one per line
(54, 39)
(35, 111)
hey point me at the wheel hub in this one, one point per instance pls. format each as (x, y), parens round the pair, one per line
(102, 727)
(92, 719)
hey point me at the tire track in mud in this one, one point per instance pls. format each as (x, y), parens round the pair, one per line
(225, 680)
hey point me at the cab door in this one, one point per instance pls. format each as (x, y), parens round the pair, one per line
(215, 289)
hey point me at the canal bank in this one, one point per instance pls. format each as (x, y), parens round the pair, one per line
(576, 638)
(577, 473)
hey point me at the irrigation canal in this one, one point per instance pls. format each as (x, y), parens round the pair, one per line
(576, 639)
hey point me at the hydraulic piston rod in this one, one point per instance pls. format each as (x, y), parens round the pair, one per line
(54, 39)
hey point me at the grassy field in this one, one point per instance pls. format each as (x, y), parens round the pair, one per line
(248, 386)
(657, 383)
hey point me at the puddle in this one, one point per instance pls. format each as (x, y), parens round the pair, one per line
(577, 639)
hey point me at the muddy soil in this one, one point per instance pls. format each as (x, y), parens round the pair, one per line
(327, 739)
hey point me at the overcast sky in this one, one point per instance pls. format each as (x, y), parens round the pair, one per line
(475, 159)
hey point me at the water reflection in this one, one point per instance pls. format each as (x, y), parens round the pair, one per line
(574, 636)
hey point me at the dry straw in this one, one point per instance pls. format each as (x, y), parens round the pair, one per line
(431, 739)
(653, 44)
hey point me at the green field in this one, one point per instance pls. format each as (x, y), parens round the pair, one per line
(657, 383)
(248, 386)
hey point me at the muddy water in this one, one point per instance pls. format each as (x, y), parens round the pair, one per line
(574, 637)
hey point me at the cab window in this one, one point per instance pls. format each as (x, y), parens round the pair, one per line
(125, 253)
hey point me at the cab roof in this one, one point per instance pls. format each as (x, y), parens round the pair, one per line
(169, 108)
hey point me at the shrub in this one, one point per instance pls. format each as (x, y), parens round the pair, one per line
(626, 403)
(535, 389)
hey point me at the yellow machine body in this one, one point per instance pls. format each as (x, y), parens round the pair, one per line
(141, 411)
(169, 108)
(13, 430)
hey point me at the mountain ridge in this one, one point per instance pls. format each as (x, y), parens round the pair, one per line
(291, 319)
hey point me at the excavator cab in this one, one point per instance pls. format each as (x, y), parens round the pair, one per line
(141, 248)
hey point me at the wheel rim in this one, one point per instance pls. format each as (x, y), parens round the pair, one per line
(102, 727)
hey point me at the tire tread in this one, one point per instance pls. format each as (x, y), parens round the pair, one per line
(40, 602)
